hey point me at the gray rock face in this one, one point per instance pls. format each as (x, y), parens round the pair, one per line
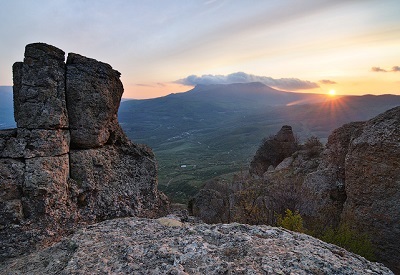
(372, 168)
(39, 88)
(113, 182)
(273, 151)
(93, 92)
(211, 206)
(168, 246)
(26, 143)
(48, 189)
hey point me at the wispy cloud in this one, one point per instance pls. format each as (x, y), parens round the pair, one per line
(158, 84)
(241, 77)
(327, 82)
(396, 69)
(144, 85)
(379, 69)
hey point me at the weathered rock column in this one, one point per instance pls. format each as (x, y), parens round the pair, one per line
(42, 120)
(112, 176)
(34, 157)
(47, 189)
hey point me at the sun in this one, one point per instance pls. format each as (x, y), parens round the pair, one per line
(332, 93)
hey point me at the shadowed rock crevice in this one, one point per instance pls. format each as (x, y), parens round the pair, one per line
(68, 163)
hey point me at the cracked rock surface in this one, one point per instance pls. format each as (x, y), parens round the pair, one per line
(169, 246)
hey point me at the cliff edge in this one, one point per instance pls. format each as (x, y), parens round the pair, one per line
(169, 246)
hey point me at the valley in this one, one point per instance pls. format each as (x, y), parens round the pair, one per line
(214, 130)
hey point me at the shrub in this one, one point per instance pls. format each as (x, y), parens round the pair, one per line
(351, 240)
(313, 146)
(291, 221)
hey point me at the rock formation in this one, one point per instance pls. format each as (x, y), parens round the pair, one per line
(372, 169)
(355, 181)
(273, 151)
(68, 163)
(168, 246)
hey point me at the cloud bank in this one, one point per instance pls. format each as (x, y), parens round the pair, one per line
(379, 69)
(241, 77)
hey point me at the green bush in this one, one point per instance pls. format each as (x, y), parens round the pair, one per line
(291, 221)
(313, 146)
(350, 240)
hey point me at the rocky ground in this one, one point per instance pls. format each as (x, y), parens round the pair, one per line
(169, 246)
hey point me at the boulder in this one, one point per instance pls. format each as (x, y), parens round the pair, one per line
(273, 151)
(144, 246)
(210, 206)
(94, 93)
(39, 88)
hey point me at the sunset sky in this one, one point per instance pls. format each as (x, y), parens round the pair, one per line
(160, 47)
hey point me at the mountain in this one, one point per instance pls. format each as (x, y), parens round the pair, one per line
(215, 129)
(6, 107)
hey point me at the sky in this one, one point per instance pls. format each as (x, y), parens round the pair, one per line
(169, 46)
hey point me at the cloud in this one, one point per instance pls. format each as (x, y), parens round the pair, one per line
(378, 69)
(327, 82)
(158, 84)
(396, 69)
(241, 77)
(144, 85)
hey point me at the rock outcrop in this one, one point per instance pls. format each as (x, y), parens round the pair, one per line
(168, 246)
(68, 163)
(355, 181)
(372, 169)
(273, 151)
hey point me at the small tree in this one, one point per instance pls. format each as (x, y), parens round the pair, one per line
(291, 221)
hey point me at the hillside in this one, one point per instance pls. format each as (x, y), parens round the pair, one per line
(215, 129)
